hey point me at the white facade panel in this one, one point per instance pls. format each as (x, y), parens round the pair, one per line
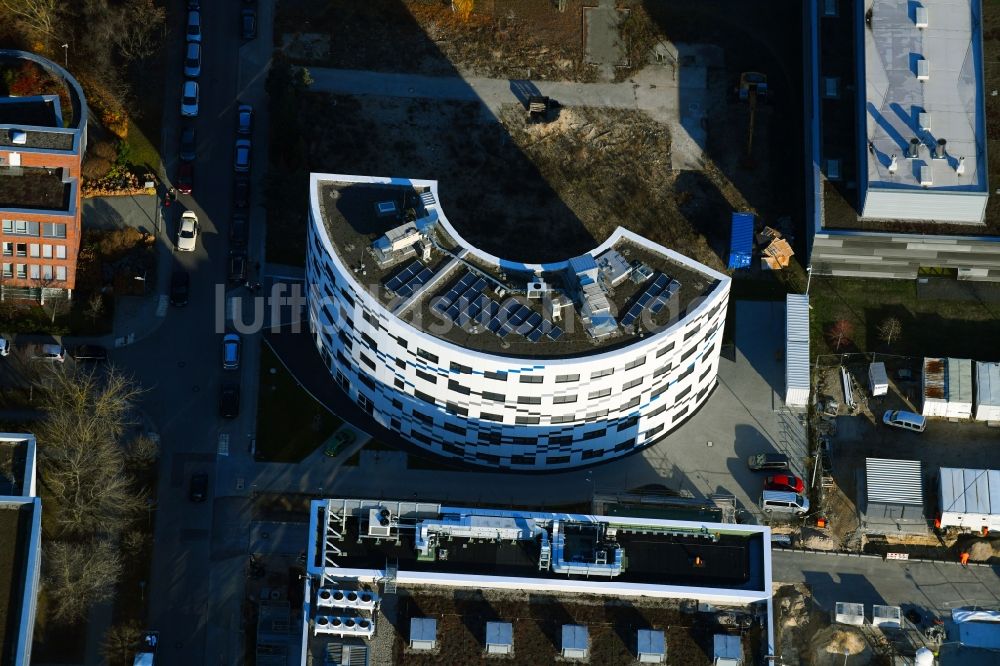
(987, 391)
(443, 397)
(961, 207)
(797, 378)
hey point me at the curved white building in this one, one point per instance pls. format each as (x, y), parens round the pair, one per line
(500, 363)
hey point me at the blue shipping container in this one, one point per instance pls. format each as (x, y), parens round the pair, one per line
(741, 244)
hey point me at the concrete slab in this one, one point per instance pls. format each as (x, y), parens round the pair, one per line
(602, 40)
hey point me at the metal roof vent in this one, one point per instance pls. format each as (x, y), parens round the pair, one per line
(960, 167)
(924, 119)
(926, 177)
(893, 165)
(920, 17)
(18, 137)
(914, 150)
(923, 70)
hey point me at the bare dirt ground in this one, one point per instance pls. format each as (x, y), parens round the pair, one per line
(537, 622)
(523, 39)
(796, 621)
(529, 192)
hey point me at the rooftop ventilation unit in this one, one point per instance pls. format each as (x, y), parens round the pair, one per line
(923, 70)
(831, 87)
(18, 137)
(833, 169)
(575, 641)
(651, 647)
(499, 638)
(334, 598)
(920, 17)
(924, 119)
(381, 523)
(926, 176)
(538, 288)
(335, 625)
(423, 633)
(913, 152)
(385, 208)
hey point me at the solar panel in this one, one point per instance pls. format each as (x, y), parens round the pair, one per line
(493, 325)
(519, 315)
(534, 319)
(545, 326)
(453, 311)
(555, 333)
(524, 329)
(661, 281)
(505, 330)
(439, 306)
(535, 335)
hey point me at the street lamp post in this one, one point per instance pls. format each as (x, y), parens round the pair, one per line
(809, 276)
(65, 48)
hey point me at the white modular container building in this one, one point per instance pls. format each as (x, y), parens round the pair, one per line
(947, 384)
(797, 351)
(878, 379)
(987, 391)
(969, 498)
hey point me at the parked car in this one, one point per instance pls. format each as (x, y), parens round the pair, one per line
(785, 482)
(241, 156)
(898, 418)
(237, 267)
(248, 23)
(187, 232)
(194, 4)
(89, 353)
(198, 491)
(180, 287)
(192, 60)
(50, 352)
(241, 192)
(238, 231)
(4, 347)
(772, 501)
(193, 31)
(229, 401)
(231, 345)
(767, 461)
(189, 99)
(341, 439)
(244, 119)
(185, 177)
(188, 144)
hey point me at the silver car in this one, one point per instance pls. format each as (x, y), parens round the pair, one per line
(192, 60)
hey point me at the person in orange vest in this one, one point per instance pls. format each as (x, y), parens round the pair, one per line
(964, 559)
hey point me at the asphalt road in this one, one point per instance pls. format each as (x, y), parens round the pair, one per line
(179, 364)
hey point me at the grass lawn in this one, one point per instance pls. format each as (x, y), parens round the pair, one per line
(966, 325)
(290, 424)
(142, 149)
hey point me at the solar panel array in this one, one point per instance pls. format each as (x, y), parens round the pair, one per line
(408, 280)
(654, 298)
(466, 303)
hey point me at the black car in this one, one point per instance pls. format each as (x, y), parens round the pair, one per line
(187, 144)
(238, 231)
(229, 401)
(237, 268)
(248, 23)
(766, 462)
(180, 286)
(199, 487)
(89, 353)
(241, 193)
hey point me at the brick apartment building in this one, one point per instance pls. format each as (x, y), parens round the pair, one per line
(41, 151)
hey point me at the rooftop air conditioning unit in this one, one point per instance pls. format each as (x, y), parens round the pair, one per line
(830, 8)
(831, 87)
(923, 70)
(18, 137)
(380, 522)
(833, 169)
(926, 176)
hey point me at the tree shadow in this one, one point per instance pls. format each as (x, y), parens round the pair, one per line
(627, 621)
(475, 612)
(550, 615)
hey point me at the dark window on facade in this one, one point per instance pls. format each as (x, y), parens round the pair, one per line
(421, 437)
(347, 297)
(486, 416)
(707, 372)
(367, 361)
(458, 367)
(458, 388)
(452, 449)
(530, 379)
(562, 379)
(398, 383)
(563, 399)
(688, 354)
(495, 397)
(656, 412)
(603, 393)
(401, 342)
(602, 373)
(599, 414)
(561, 439)
(526, 420)
(395, 424)
(693, 332)
(488, 458)
(630, 422)
(427, 355)
(701, 394)
(457, 409)
(401, 364)
(634, 402)
(369, 341)
(499, 376)
(681, 413)
(343, 359)
(425, 397)
(522, 460)
(427, 377)
(594, 434)
(563, 418)
(370, 318)
(528, 400)
(556, 460)
(625, 445)
(687, 372)
(345, 338)
(632, 384)
(653, 431)
(367, 381)
(425, 418)
(524, 440)
(451, 427)
(636, 363)
(664, 350)
(590, 455)
(397, 404)
(662, 370)
(659, 390)
(683, 394)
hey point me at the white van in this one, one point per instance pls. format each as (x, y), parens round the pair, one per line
(777, 501)
(897, 418)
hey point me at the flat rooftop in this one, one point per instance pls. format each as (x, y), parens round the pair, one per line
(38, 138)
(33, 188)
(349, 211)
(923, 74)
(15, 526)
(33, 112)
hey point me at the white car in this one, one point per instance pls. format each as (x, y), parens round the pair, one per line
(189, 99)
(187, 233)
(241, 158)
(194, 26)
(4, 347)
(192, 61)
(50, 353)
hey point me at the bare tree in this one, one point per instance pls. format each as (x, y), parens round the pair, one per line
(891, 329)
(140, 29)
(55, 306)
(142, 451)
(120, 642)
(41, 19)
(95, 306)
(79, 575)
(839, 334)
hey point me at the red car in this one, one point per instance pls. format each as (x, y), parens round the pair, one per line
(785, 482)
(185, 177)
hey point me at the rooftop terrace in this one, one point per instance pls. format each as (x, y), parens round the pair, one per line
(34, 112)
(34, 188)
(354, 222)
